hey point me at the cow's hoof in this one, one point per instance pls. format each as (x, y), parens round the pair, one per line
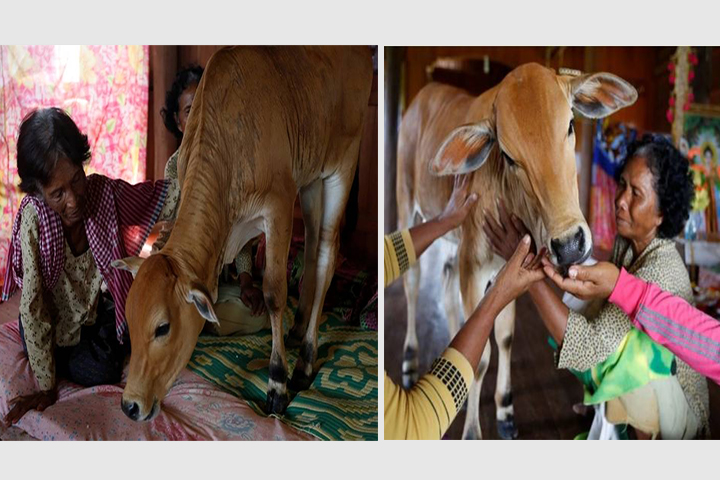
(472, 434)
(507, 430)
(410, 368)
(276, 402)
(409, 379)
(299, 381)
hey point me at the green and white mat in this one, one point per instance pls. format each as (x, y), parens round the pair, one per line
(341, 403)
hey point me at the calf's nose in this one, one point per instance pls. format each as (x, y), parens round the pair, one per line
(569, 250)
(131, 409)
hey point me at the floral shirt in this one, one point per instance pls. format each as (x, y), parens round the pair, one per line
(590, 338)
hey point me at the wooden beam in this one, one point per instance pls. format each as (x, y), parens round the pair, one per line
(161, 143)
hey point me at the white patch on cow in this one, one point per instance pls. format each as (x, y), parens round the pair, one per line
(240, 234)
(129, 264)
(203, 304)
(278, 387)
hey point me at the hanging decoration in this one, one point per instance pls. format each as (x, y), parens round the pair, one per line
(609, 150)
(681, 70)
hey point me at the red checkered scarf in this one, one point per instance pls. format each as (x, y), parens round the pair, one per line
(115, 210)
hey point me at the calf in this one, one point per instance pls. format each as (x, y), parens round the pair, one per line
(517, 142)
(266, 123)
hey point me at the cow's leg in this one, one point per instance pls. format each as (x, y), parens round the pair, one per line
(411, 282)
(474, 280)
(411, 363)
(311, 203)
(335, 191)
(451, 291)
(278, 230)
(504, 329)
(472, 429)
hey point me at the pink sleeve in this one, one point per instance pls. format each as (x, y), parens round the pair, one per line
(672, 322)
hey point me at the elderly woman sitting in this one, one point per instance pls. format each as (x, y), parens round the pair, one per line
(68, 230)
(639, 382)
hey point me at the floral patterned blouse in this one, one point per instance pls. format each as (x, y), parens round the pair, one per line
(593, 336)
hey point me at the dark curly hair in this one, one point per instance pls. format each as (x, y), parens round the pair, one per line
(672, 180)
(46, 136)
(184, 78)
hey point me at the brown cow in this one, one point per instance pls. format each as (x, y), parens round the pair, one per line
(521, 132)
(266, 123)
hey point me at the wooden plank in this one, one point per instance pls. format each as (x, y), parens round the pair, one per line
(161, 143)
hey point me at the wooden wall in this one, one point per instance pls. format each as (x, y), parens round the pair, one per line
(165, 61)
(634, 64)
(359, 240)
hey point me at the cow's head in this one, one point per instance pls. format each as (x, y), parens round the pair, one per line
(166, 311)
(530, 141)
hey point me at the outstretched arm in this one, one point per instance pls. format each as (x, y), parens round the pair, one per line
(402, 248)
(669, 320)
(427, 410)
(457, 209)
(37, 325)
(521, 271)
(504, 235)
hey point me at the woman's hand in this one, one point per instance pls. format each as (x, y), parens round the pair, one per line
(460, 203)
(521, 270)
(19, 406)
(505, 235)
(585, 282)
(252, 297)
(455, 212)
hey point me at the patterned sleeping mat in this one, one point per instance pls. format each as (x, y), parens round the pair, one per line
(341, 403)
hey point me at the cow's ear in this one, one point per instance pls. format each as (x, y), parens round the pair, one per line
(129, 264)
(199, 296)
(464, 150)
(599, 94)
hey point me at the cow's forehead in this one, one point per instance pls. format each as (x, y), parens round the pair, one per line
(525, 93)
(152, 285)
(530, 100)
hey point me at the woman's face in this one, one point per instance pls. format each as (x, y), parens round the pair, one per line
(636, 203)
(65, 192)
(184, 104)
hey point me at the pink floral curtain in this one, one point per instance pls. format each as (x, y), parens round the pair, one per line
(103, 88)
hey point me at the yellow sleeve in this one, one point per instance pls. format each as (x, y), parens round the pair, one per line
(426, 411)
(399, 255)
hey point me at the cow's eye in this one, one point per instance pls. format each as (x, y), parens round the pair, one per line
(509, 160)
(571, 128)
(162, 330)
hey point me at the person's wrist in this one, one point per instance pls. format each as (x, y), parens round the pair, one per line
(495, 300)
(445, 224)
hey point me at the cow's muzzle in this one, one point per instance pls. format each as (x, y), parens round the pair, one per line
(132, 410)
(572, 249)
